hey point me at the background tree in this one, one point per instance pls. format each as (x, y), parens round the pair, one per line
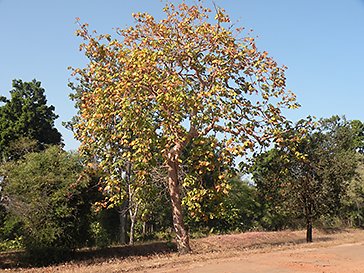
(173, 81)
(26, 125)
(269, 173)
(25, 115)
(241, 208)
(352, 207)
(51, 200)
(352, 212)
(310, 172)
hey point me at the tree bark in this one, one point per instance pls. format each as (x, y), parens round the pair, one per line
(133, 211)
(122, 223)
(309, 231)
(182, 237)
(309, 224)
(132, 225)
(144, 231)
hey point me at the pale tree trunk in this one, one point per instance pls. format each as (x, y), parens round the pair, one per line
(132, 228)
(144, 232)
(182, 237)
(133, 211)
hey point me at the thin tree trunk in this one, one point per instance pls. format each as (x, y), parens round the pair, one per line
(182, 237)
(133, 216)
(309, 231)
(358, 217)
(132, 225)
(144, 231)
(309, 224)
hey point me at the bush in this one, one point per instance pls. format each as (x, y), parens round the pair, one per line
(100, 235)
(14, 244)
(49, 197)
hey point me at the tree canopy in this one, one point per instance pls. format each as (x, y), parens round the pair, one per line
(26, 117)
(164, 84)
(309, 173)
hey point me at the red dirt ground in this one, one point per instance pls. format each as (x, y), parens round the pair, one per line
(263, 252)
(347, 258)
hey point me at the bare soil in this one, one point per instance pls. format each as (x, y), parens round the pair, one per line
(284, 251)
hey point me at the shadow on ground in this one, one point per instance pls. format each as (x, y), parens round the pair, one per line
(289, 242)
(216, 243)
(13, 260)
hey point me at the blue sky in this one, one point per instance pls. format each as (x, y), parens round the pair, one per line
(321, 42)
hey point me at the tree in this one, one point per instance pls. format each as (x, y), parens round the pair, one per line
(51, 198)
(311, 170)
(352, 211)
(25, 117)
(26, 123)
(171, 82)
(270, 174)
(241, 207)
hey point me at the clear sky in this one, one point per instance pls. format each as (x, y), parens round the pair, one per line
(321, 42)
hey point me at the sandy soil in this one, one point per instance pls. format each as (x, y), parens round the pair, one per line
(334, 259)
(263, 252)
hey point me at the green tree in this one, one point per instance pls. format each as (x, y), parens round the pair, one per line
(25, 115)
(353, 203)
(309, 173)
(352, 211)
(240, 207)
(173, 81)
(50, 197)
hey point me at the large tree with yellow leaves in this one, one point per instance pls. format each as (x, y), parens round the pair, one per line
(161, 85)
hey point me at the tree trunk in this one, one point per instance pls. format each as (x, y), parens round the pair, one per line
(182, 237)
(132, 224)
(309, 231)
(144, 231)
(309, 224)
(122, 223)
(133, 217)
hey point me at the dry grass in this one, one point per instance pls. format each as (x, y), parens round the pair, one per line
(143, 258)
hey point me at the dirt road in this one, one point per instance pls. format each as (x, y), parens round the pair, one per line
(347, 258)
(250, 252)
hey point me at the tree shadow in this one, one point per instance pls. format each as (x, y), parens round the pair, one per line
(285, 242)
(13, 260)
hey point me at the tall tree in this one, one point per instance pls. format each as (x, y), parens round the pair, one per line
(311, 170)
(26, 116)
(173, 81)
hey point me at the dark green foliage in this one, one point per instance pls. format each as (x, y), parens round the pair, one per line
(50, 197)
(358, 129)
(26, 115)
(352, 212)
(26, 125)
(105, 228)
(11, 228)
(308, 175)
(269, 172)
(240, 208)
